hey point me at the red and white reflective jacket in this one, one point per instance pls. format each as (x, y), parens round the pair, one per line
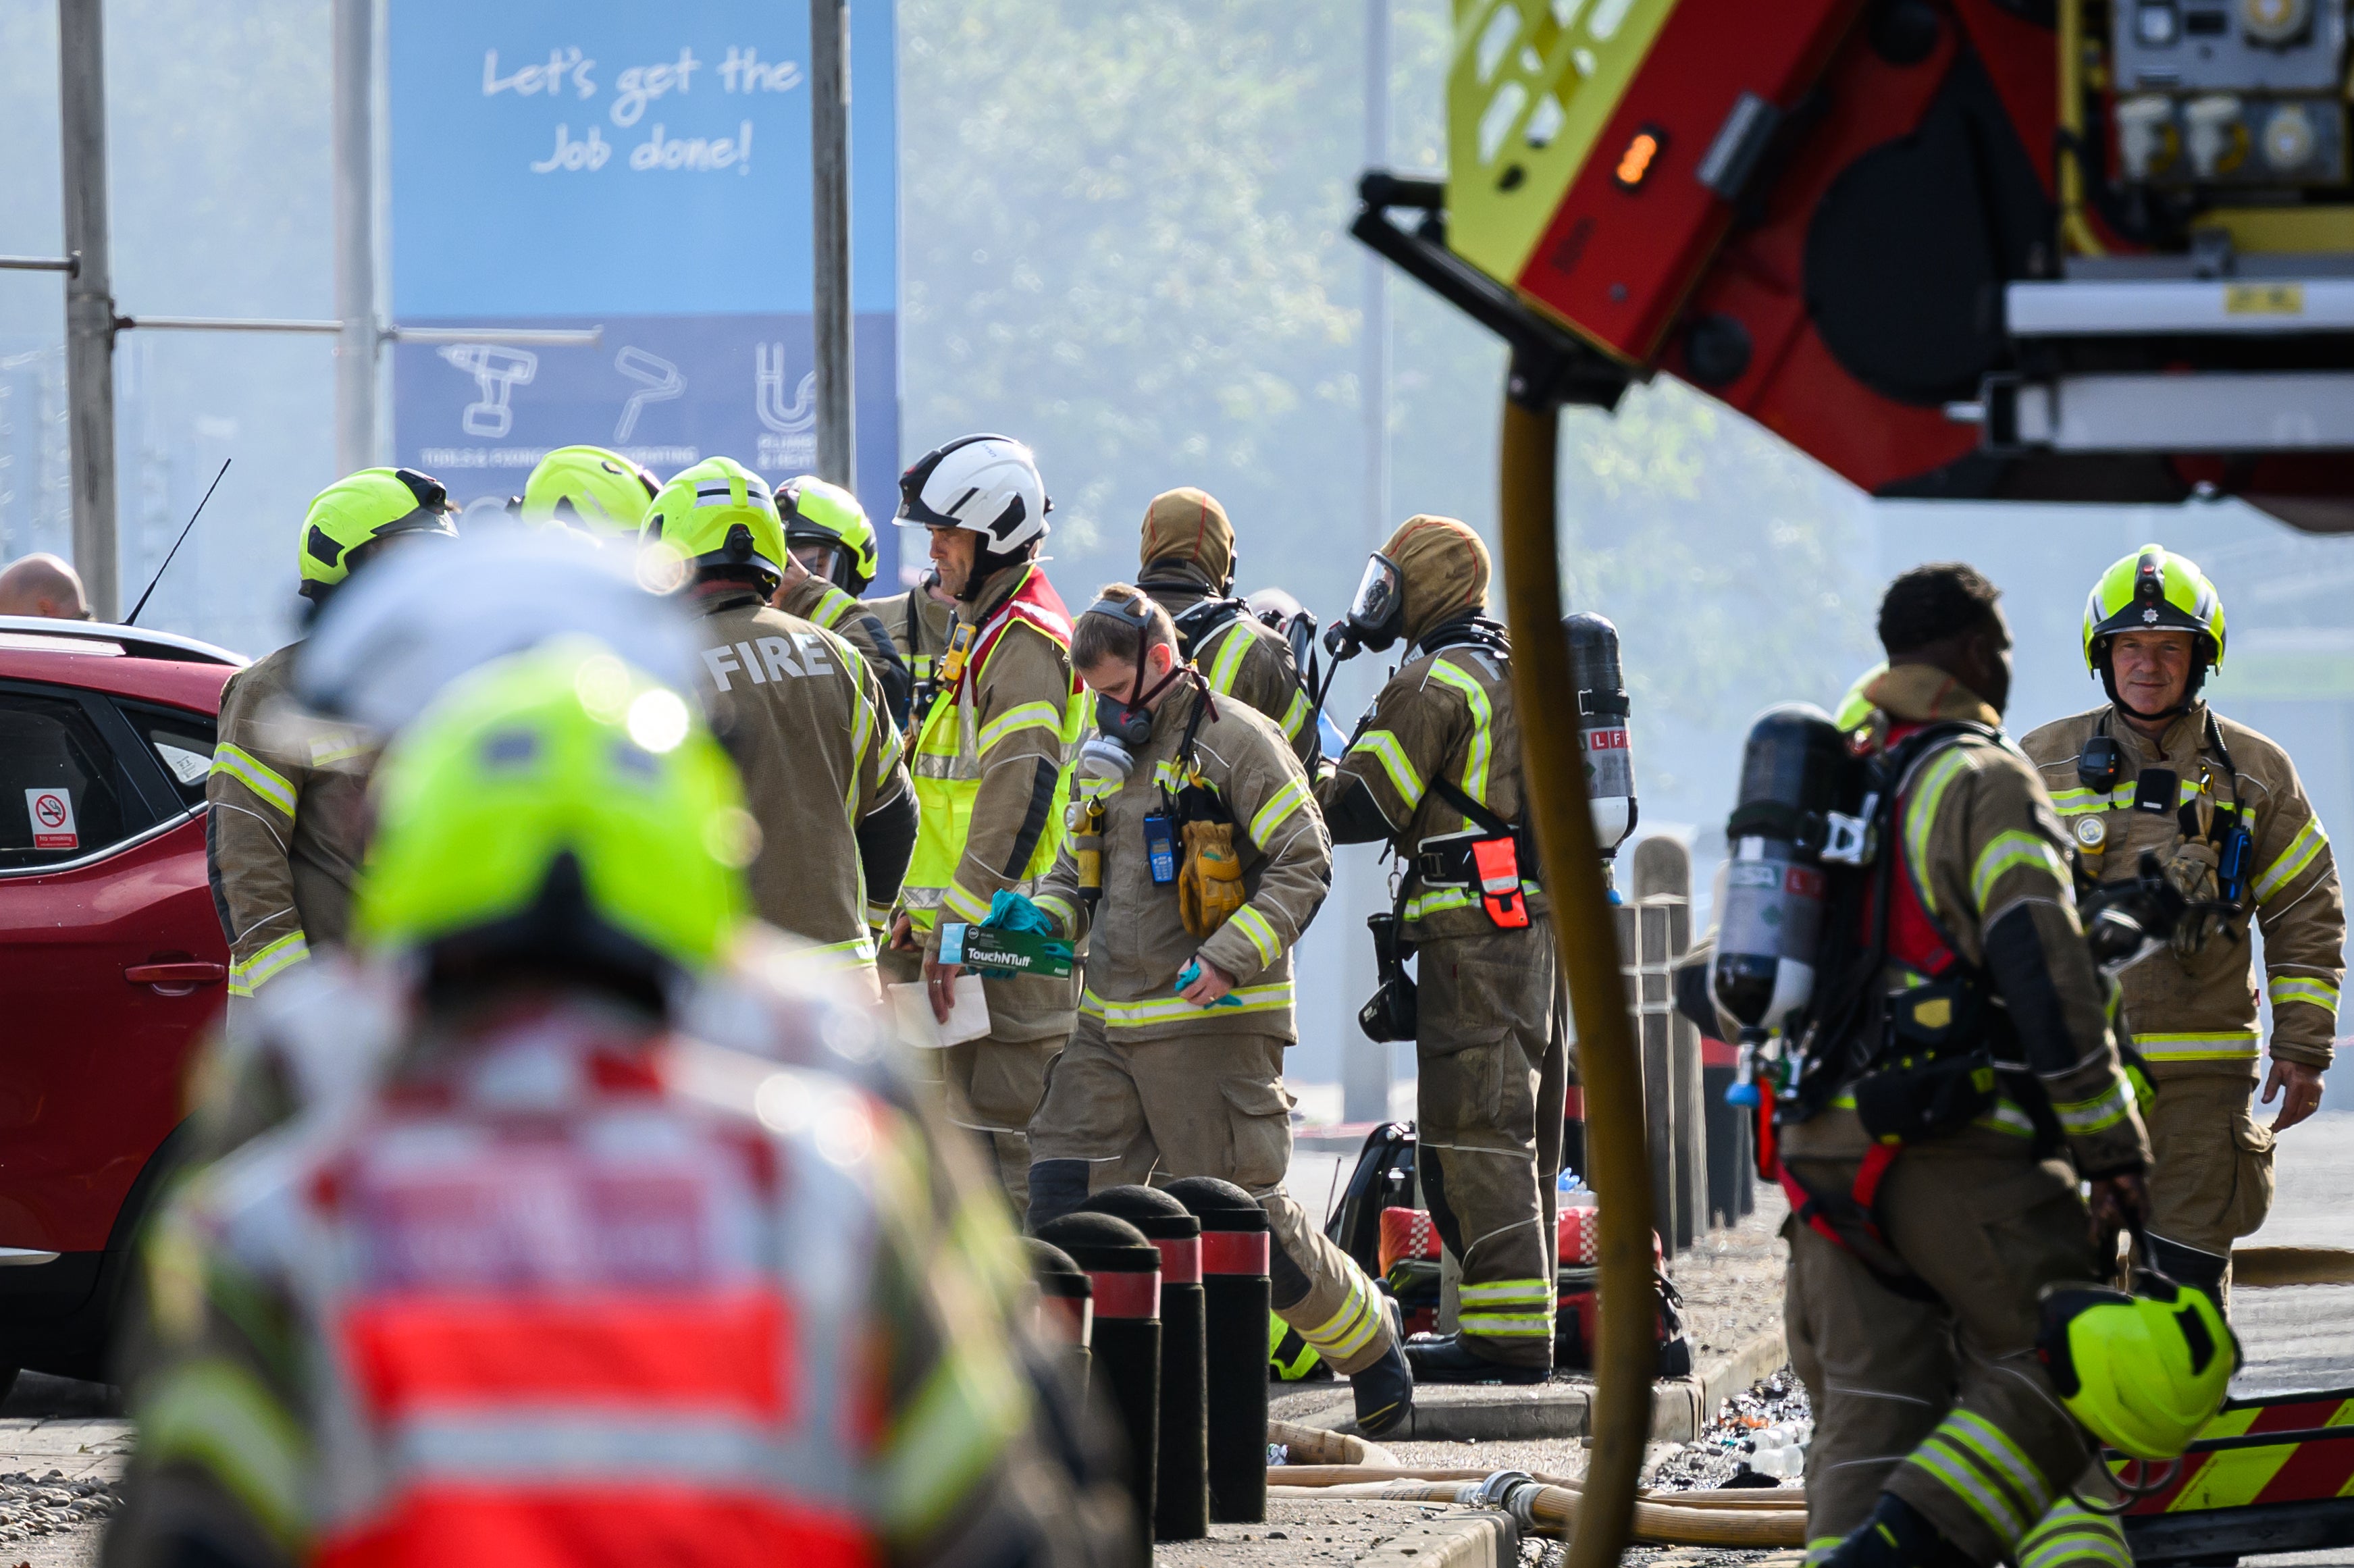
(563, 1293)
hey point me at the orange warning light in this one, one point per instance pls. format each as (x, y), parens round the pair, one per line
(1635, 162)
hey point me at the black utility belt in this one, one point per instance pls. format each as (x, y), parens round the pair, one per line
(1450, 860)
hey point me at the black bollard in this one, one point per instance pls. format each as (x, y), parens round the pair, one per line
(1124, 1271)
(1181, 1505)
(1065, 1305)
(1235, 1294)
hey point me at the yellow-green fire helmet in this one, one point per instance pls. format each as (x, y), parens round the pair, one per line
(818, 512)
(719, 514)
(359, 509)
(2153, 589)
(2141, 1373)
(557, 805)
(1856, 708)
(598, 492)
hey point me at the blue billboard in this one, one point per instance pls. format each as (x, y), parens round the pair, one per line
(644, 170)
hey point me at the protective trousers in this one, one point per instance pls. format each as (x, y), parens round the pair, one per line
(2211, 1180)
(1207, 1105)
(1943, 1402)
(1488, 1130)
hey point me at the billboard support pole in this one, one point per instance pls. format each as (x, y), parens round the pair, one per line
(837, 439)
(354, 29)
(89, 298)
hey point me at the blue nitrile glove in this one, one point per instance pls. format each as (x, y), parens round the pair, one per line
(1009, 911)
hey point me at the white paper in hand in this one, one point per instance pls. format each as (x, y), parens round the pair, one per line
(911, 1010)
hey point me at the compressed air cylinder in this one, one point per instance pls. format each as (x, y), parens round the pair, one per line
(1602, 710)
(1066, 1306)
(1123, 1270)
(1181, 1491)
(1236, 1302)
(1791, 772)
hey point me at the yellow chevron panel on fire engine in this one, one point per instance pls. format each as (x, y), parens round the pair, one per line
(1533, 84)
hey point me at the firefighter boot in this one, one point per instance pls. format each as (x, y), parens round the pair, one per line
(1896, 1537)
(1450, 1358)
(1385, 1390)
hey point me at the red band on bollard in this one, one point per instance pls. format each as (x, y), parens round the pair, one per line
(1127, 1294)
(1572, 1103)
(1067, 1319)
(1181, 1260)
(1235, 1252)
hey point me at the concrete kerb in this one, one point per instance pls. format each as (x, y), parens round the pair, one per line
(1492, 1413)
(1460, 1538)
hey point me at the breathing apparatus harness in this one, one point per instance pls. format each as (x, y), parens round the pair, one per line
(1494, 857)
(1189, 843)
(2100, 768)
(1918, 1062)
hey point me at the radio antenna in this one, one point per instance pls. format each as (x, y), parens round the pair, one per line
(132, 619)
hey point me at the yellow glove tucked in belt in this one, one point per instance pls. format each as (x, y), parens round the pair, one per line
(1210, 882)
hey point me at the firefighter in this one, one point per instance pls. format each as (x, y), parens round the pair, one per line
(2236, 835)
(553, 1278)
(832, 559)
(919, 622)
(992, 764)
(282, 826)
(1433, 769)
(803, 718)
(590, 491)
(1175, 1068)
(1189, 555)
(1958, 1060)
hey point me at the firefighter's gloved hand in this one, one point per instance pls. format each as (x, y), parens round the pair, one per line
(2193, 872)
(1210, 883)
(1009, 911)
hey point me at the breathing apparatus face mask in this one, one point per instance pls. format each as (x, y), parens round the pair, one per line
(1377, 614)
(1126, 722)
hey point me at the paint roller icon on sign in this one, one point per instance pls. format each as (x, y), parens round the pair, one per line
(497, 372)
(658, 379)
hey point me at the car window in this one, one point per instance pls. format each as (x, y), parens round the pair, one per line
(63, 792)
(181, 742)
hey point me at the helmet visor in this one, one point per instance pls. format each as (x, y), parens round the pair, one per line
(1381, 595)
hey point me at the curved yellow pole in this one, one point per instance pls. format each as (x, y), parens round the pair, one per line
(1589, 942)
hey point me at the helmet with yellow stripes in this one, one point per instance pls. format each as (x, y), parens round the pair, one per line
(2142, 1373)
(721, 517)
(599, 492)
(360, 510)
(2153, 590)
(830, 518)
(557, 809)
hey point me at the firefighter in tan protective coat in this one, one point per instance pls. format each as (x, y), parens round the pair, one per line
(1196, 857)
(1958, 1079)
(991, 759)
(283, 823)
(801, 714)
(832, 559)
(1435, 770)
(2157, 771)
(1188, 555)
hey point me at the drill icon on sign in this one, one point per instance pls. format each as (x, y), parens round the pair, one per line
(497, 372)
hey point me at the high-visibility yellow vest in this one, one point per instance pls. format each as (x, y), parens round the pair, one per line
(946, 757)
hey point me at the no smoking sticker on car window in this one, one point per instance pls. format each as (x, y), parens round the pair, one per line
(53, 823)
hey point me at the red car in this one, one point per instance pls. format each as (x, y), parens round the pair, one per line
(111, 962)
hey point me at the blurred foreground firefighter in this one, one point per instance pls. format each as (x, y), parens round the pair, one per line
(1956, 1059)
(282, 826)
(554, 1278)
(801, 714)
(992, 764)
(1433, 769)
(1189, 555)
(832, 560)
(2157, 771)
(1196, 857)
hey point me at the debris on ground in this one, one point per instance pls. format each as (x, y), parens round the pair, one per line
(1758, 1439)
(33, 1506)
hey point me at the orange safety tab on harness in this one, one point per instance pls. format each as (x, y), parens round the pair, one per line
(1498, 863)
